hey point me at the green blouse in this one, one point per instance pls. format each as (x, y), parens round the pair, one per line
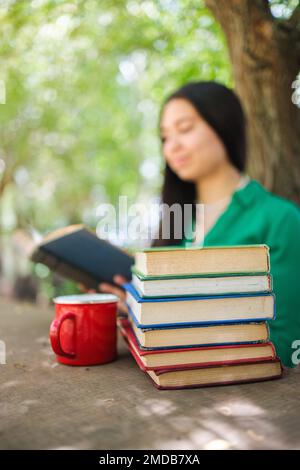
(256, 216)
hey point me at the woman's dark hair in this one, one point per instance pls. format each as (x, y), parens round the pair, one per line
(222, 110)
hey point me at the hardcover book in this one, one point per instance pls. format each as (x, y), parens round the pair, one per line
(79, 254)
(157, 312)
(191, 357)
(204, 376)
(200, 285)
(174, 261)
(199, 335)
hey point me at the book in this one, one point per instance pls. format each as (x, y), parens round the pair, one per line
(204, 335)
(155, 312)
(174, 261)
(77, 253)
(191, 357)
(168, 287)
(256, 371)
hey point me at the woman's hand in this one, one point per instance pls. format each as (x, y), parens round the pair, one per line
(118, 291)
(85, 289)
(111, 289)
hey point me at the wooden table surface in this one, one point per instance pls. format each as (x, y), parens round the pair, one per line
(44, 405)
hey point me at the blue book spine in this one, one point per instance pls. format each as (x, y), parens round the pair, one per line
(194, 345)
(164, 326)
(135, 294)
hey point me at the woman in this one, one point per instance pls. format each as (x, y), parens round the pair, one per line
(203, 137)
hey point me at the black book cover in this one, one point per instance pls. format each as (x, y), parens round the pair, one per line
(80, 255)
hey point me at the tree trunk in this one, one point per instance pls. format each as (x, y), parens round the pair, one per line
(265, 55)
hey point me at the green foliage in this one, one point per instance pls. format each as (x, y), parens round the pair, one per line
(282, 9)
(84, 84)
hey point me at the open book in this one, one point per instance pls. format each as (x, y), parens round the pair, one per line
(77, 253)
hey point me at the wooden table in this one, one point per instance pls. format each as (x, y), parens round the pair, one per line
(44, 405)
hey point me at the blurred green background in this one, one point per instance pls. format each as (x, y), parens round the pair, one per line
(84, 82)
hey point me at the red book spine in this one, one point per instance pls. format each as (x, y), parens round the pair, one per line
(137, 353)
(233, 382)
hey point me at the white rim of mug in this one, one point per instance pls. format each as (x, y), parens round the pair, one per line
(80, 299)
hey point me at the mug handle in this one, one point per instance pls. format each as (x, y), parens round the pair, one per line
(55, 335)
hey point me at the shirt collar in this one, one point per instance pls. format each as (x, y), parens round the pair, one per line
(250, 193)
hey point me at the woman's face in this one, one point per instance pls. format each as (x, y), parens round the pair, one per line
(190, 145)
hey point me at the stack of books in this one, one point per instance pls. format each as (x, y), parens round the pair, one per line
(198, 316)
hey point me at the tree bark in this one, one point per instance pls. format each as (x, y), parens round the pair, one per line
(265, 55)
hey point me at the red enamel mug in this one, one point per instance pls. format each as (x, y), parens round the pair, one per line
(84, 331)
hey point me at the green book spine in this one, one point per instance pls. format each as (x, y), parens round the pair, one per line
(142, 276)
(174, 248)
